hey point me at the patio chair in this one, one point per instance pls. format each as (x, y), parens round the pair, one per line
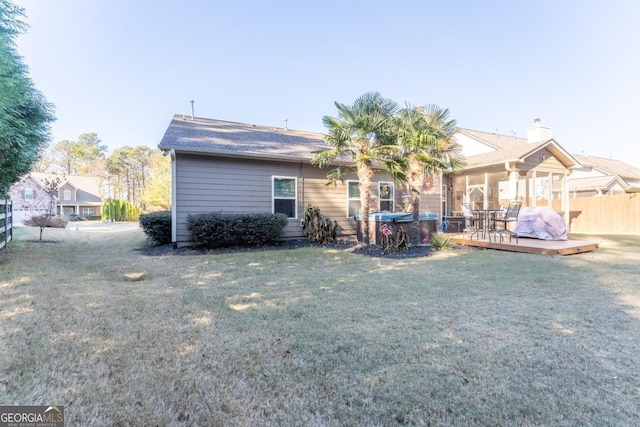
(472, 223)
(501, 222)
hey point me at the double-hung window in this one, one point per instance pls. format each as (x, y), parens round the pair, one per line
(353, 199)
(67, 195)
(285, 195)
(29, 194)
(386, 196)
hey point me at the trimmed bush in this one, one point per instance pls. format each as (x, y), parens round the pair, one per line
(157, 226)
(54, 221)
(220, 230)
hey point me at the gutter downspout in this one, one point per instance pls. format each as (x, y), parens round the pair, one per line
(174, 205)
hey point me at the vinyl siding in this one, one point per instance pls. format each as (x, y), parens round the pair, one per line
(222, 184)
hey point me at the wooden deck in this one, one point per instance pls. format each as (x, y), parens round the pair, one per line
(528, 245)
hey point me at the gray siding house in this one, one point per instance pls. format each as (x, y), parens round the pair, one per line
(220, 166)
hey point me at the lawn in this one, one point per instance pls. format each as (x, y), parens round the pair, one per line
(318, 337)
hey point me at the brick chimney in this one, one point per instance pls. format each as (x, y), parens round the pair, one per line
(538, 132)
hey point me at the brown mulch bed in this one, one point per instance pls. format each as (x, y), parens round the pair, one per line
(151, 249)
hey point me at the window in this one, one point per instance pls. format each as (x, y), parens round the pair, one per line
(353, 199)
(87, 212)
(67, 195)
(385, 190)
(284, 196)
(29, 194)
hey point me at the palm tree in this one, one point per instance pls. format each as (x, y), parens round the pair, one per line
(363, 136)
(427, 149)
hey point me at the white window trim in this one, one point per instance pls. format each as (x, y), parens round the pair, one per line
(350, 198)
(273, 194)
(392, 199)
(64, 194)
(31, 193)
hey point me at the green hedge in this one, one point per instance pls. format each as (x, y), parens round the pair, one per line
(157, 226)
(120, 210)
(219, 230)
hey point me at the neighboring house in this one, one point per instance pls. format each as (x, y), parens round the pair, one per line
(220, 166)
(77, 195)
(599, 176)
(29, 198)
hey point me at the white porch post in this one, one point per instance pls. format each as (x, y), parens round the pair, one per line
(534, 183)
(513, 184)
(550, 190)
(485, 196)
(565, 200)
(465, 198)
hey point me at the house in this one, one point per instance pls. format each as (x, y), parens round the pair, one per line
(500, 168)
(599, 176)
(76, 195)
(234, 167)
(220, 166)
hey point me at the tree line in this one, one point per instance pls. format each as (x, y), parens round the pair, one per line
(138, 175)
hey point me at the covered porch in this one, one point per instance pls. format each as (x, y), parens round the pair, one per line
(534, 174)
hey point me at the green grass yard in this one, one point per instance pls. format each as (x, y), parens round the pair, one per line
(319, 337)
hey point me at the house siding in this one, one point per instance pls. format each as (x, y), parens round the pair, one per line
(206, 184)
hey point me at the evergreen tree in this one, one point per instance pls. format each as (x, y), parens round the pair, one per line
(24, 112)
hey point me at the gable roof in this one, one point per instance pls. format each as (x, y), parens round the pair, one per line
(495, 140)
(208, 136)
(519, 152)
(610, 166)
(596, 183)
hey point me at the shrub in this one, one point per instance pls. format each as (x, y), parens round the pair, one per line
(54, 221)
(157, 226)
(440, 240)
(317, 227)
(120, 210)
(219, 230)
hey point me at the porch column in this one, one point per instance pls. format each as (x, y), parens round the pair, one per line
(534, 189)
(485, 196)
(465, 198)
(513, 184)
(550, 190)
(565, 199)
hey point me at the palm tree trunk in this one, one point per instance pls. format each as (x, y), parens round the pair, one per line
(364, 184)
(415, 177)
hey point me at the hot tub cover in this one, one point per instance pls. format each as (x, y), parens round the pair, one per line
(399, 216)
(540, 223)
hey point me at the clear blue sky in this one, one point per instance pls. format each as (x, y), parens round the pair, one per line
(122, 68)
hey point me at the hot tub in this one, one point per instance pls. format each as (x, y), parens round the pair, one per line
(393, 221)
(400, 217)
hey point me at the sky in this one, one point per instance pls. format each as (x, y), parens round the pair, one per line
(123, 68)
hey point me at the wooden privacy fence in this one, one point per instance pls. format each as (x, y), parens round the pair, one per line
(6, 231)
(619, 214)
